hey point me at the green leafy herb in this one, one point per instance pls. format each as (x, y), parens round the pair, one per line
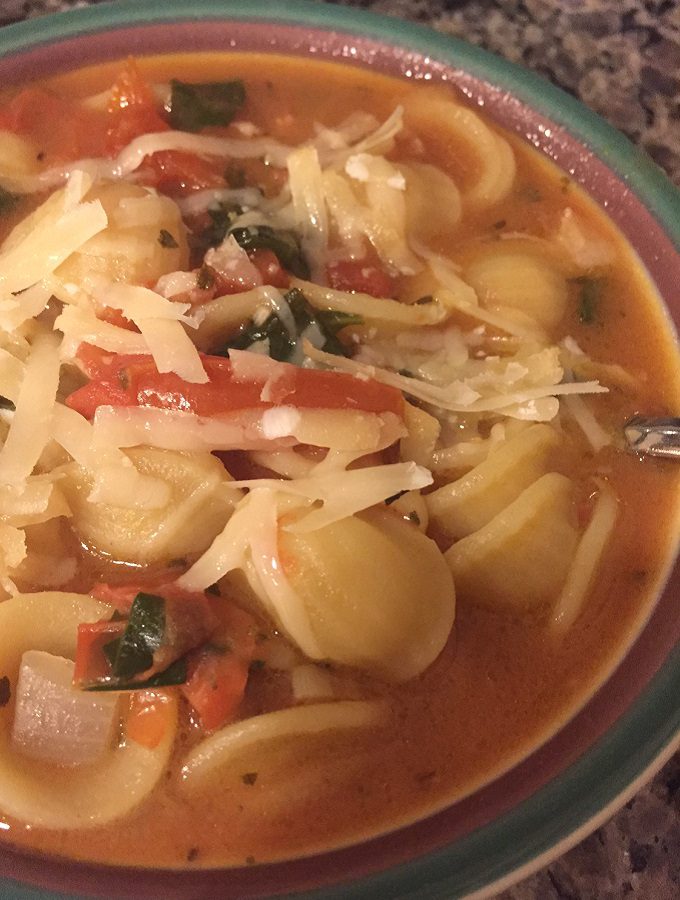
(284, 244)
(7, 201)
(281, 343)
(222, 217)
(165, 239)
(6, 404)
(390, 500)
(249, 777)
(590, 296)
(423, 301)
(5, 691)
(196, 106)
(133, 651)
(500, 224)
(414, 517)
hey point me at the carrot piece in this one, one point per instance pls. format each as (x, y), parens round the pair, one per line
(148, 717)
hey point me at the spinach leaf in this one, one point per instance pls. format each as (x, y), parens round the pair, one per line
(284, 244)
(196, 106)
(222, 218)
(133, 651)
(167, 240)
(589, 299)
(281, 343)
(7, 201)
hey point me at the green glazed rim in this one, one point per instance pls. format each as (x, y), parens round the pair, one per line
(589, 790)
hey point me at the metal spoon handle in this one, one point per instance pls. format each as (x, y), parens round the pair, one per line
(654, 437)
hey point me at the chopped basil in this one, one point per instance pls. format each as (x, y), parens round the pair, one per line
(196, 106)
(165, 239)
(133, 651)
(205, 278)
(281, 343)
(590, 296)
(390, 500)
(222, 217)
(414, 517)
(249, 777)
(284, 244)
(7, 201)
(5, 691)
(6, 404)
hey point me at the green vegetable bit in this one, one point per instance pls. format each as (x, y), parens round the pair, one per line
(281, 343)
(7, 201)
(222, 217)
(166, 240)
(284, 244)
(197, 106)
(133, 652)
(590, 298)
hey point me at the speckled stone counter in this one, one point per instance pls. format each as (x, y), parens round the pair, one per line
(621, 58)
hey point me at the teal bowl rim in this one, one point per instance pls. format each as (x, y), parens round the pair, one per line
(550, 820)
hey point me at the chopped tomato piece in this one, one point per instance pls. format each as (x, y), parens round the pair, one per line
(132, 110)
(218, 673)
(135, 381)
(90, 662)
(177, 172)
(267, 263)
(215, 685)
(360, 275)
(80, 134)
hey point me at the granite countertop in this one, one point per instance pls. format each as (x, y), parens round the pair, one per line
(621, 58)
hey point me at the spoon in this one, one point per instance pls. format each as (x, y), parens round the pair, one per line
(654, 437)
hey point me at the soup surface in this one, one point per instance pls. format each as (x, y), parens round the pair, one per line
(315, 509)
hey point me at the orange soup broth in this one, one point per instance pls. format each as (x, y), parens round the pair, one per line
(504, 683)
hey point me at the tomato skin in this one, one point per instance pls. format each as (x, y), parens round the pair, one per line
(267, 263)
(360, 275)
(90, 662)
(179, 173)
(132, 110)
(135, 381)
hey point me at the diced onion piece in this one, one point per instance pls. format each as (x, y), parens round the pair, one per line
(31, 424)
(55, 722)
(587, 559)
(217, 753)
(309, 682)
